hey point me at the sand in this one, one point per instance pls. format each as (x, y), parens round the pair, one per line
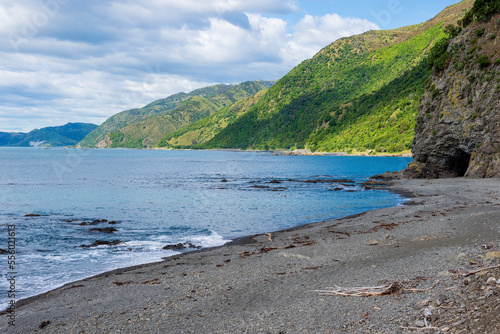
(265, 283)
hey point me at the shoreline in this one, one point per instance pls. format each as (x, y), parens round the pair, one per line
(260, 284)
(298, 152)
(239, 241)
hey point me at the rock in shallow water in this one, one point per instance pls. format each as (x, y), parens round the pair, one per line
(180, 246)
(104, 230)
(103, 243)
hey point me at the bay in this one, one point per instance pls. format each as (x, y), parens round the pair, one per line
(159, 198)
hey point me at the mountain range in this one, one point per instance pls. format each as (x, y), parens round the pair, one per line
(144, 127)
(66, 135)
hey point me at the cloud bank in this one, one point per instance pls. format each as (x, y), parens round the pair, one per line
(67, 61)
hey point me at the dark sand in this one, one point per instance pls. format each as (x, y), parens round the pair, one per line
(256, 285)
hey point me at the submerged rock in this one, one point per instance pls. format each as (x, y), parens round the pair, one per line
(104, 230)
(96, 222)
(103, 243)
(260, 187)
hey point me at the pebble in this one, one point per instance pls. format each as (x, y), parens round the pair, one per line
(491, 281)
(373, 242)
(419, 323)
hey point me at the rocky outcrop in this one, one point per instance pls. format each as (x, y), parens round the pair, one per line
(457, 131)
(105, 143)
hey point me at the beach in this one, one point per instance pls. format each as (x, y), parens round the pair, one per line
(266, 283)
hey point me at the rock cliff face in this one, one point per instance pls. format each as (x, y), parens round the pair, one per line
(457, 131)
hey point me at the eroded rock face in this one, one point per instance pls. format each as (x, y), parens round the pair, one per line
(457, 132)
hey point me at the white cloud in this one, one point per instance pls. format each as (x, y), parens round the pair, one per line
(90, 60)
(313, 33)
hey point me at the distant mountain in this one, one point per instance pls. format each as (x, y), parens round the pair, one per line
(360, 93)
(144, 127)
(66, 135)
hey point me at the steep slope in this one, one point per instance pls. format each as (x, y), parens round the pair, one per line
(329, 96)
(200, 132)
(127, 117)
(458, 124)
(148, 132)
(66, 135)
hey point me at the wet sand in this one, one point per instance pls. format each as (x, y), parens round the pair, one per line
(265, 283)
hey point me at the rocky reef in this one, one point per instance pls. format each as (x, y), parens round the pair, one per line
(457, 130)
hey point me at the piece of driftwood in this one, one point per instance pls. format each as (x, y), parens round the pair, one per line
(373, 291)
(420, 328)
(472, 272)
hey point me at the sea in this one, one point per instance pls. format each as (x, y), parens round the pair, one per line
(52, 199)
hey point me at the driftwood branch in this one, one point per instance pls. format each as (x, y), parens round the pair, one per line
(479, 270)
(384, 290)
(420, 328)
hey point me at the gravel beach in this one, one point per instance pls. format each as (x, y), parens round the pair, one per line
(448, 230)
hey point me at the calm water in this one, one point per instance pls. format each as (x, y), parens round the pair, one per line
(159, 198)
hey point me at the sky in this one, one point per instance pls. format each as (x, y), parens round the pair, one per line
(84, 61)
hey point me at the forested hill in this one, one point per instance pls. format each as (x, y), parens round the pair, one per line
(139, 128)
(359, 93)
(65, 135)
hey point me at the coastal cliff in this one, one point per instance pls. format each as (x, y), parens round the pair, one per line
(457, 131)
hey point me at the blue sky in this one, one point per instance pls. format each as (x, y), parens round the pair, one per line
(83, 61)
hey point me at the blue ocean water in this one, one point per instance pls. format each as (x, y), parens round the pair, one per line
(158, 198)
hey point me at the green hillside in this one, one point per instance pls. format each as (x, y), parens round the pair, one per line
(144, 127)
(66, 135)
(127, 117)
(200, 132)
(359, 93)
(148, 132)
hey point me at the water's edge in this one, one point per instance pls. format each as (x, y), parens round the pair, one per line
(244, 240)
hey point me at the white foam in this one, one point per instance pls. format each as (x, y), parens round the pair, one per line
(212, 240)
(144, 245)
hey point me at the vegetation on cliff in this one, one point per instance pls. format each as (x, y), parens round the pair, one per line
(458, 124)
